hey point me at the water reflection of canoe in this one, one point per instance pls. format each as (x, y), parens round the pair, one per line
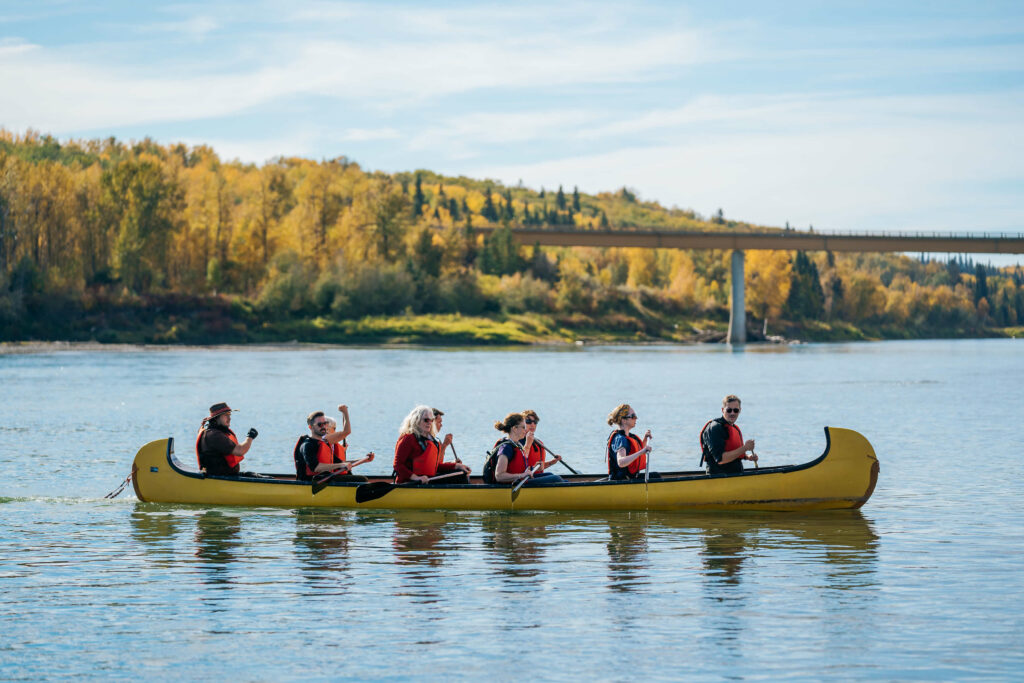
(843, 476)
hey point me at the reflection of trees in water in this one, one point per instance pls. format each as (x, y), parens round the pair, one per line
(156, 529)
(627, 552)
(418, 540)
(321, 545)
(217, 544)
(514, 540)
(723, 555)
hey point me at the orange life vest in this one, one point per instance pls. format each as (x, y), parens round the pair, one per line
(517, 464)
(535, 456)
(325, 454)
(231, 458)
(425, 464)
(733, 440)
(635, 444)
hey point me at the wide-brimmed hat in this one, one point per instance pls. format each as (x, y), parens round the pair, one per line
(219, 409)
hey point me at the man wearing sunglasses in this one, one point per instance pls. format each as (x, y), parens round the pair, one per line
(322, 449)
(721, 441)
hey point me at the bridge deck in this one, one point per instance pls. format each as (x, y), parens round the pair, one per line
(789, 240)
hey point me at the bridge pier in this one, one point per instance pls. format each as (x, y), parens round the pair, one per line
(737, 304)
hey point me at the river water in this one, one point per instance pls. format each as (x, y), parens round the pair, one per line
(923, 583)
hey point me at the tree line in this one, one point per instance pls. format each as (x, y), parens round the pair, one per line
(87, 224)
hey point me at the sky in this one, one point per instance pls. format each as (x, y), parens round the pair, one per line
(848, 116)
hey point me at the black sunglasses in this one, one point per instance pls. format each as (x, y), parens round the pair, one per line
(531, 421)
(631, 417)
(732, 410)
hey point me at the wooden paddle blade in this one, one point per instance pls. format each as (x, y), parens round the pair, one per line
(372, 491)
(320, 484)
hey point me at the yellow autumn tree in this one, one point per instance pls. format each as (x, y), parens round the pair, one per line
(768, 278)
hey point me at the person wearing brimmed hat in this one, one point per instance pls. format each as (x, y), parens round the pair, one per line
(217, 449)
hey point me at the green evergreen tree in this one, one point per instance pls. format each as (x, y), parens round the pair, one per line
(560, 199)
(576, 200)
(806, 297)
(490, 212)
(418, 199)
(980, 284)
(453, 208)
(510, 212)
(500, 253)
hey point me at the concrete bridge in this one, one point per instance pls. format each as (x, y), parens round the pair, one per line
(740, 241)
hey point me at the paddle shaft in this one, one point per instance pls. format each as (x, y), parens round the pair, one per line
(571, 469)
(647, 464)
(320, 484)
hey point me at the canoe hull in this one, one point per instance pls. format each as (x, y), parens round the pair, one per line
(843, 477)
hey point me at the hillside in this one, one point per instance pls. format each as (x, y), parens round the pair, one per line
(114, 242)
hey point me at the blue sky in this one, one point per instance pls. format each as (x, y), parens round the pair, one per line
(845, 115)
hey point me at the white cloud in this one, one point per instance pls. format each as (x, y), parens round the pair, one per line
(906, 175)
(368, 134)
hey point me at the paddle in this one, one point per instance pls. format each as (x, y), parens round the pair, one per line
(378, 489)
(321, 483)
(560, 460)
(452, 446)
(519, 484)
(647, 468)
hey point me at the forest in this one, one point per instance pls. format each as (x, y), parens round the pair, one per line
(139, 242)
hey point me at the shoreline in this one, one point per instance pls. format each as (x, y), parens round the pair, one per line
(17, 348)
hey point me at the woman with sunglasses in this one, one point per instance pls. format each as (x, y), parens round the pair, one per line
(510, 463)
(417, 455)
(535, 454)
(721, 441)
(626, 453)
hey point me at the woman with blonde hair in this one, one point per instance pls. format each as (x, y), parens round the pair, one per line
(417, 455)
(626, 453)
(511, 463)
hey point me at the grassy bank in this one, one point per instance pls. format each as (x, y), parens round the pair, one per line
(180, 320)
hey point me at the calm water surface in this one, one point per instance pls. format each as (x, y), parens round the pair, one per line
(924, 583)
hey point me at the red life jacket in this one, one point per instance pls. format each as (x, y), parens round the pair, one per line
(325, 454)
(733, 440)
(231, 458)
(635, 444)
(535, 456)
(425, 464)
(517, 464)
(339, 450)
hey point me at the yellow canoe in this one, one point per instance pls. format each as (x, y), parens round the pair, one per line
(843, 477)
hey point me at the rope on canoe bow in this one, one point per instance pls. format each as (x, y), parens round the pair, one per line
(116, 492)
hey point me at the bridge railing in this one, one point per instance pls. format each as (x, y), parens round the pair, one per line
(776, 232)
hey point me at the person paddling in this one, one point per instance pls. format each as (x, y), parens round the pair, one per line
(535, 456)
(721, 441)
(217, 449)
(324, 449)
(511, 463)
(417, 454)
(435, 433)
(626, 452)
